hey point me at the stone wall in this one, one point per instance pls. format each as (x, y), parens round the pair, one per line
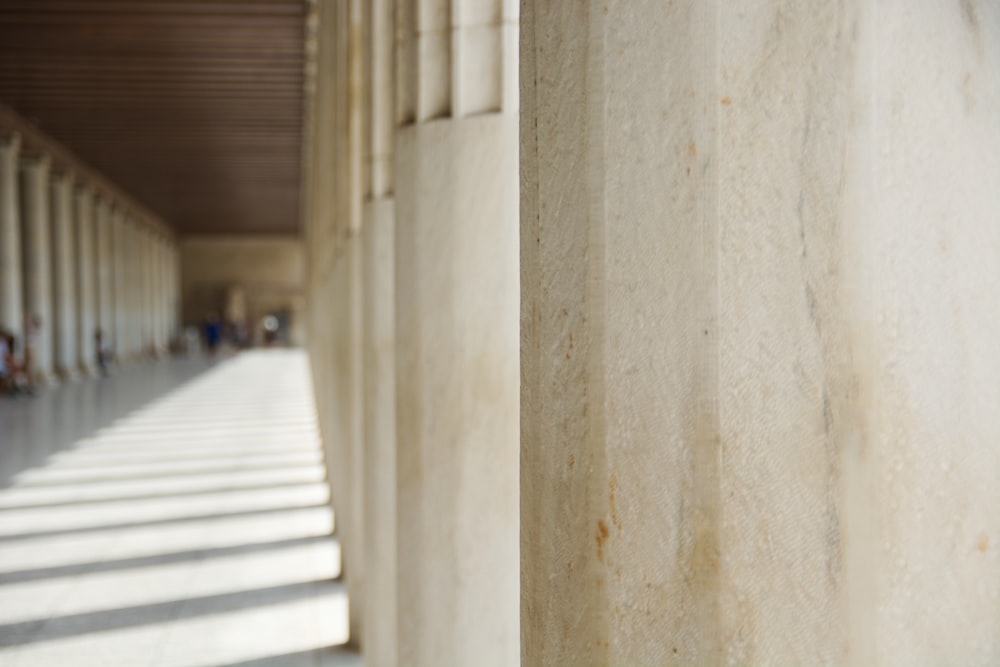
(269, 272)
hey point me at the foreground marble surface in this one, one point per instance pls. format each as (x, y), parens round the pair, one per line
(187, 523)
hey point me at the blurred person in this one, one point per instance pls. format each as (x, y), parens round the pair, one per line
(213, 332)
(6, 363)
(12, 376)
(101, 352)
(32, 336)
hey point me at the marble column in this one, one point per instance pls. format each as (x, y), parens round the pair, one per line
(124, 284)
(64, 274)
(37, 266)
(145, 301)
(86, 279)
(137, 272)
(759, 252)
(160, 296)
(379, 348)
(105, 248)
(11, 287)
(456, 294)
(173, 291)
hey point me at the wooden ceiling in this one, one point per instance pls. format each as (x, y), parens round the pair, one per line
(192, 106)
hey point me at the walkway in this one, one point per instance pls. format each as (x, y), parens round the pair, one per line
(191, 530)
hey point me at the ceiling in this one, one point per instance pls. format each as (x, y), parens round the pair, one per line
(192, 106)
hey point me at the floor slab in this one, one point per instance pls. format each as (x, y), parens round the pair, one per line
(174, 515)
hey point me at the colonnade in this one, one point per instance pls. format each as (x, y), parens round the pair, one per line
(411, 230)
(746, 412)
(77, 257)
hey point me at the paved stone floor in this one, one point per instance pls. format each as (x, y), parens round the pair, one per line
(172, 515)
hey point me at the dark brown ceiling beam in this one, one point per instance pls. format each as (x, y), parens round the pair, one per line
(240, 7)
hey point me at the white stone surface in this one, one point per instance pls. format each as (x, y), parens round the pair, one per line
(379, 359)
(121, 276)
(237, 566)
(37, 259)
(105, 265)
(86, 279)
(758, 246)
(64, 301)
(11, 286)
(457, 391)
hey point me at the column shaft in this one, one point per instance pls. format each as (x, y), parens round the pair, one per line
(37, 266)
(758, 252)
(86, 283)
(122, 286)
(456, 314)
(106, 264)
(379, 361)
(11, 287)
(63, 275)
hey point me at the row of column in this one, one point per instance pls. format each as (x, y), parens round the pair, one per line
(411, 230)
(751, 324)
(78, 269)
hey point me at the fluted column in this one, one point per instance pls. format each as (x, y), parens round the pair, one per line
(124, 284)
(456, 295)
(64, 275)
(379, 350)
(159, 296)
(144, 302)
(105, 265)
(760, 255)
(137, 283)
(86, 279)
(11, 285)
(37, 266)
(152, 293)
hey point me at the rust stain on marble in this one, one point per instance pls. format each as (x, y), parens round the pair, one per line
(602, 538)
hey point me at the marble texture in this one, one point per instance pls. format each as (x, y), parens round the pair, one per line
(379, 367)
(120, 336)
(11, 287)
(36, 236)
(188, 525)
(758, 244)
(85, 284)
(64, 302)
(457, 391)
(105, 262)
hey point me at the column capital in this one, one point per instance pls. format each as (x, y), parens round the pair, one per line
(10, 139)
(35, 160)
(83, 189)
(61, 175)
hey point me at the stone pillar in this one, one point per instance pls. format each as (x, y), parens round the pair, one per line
(338, 268)
(152, 336)
(173, 290)
(759, 251)
(37, 266)
(11, 287)
(64, 275)
(146, 299)
(106, 263)
(124, 285)
(379, 349)
(86, 280)
(159, 296)
(456, 282)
